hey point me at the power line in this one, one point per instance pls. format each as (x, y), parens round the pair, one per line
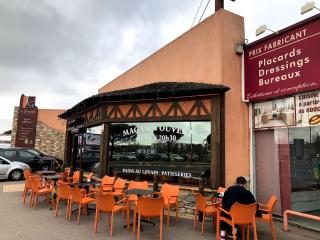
(196, 14)
(204, 11)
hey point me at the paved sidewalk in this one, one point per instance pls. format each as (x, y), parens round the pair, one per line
(18, 221)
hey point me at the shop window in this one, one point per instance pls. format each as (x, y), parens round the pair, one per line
(304, 158)
(181, 148)
(160, 142)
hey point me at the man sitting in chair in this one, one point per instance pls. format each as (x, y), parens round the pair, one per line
(237, 193)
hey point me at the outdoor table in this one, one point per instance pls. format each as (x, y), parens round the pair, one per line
(46, 172)
(85, 185)
(140, 192)
(52, 177)
(55, 178)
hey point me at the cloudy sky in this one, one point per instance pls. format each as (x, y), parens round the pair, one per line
(63, 51)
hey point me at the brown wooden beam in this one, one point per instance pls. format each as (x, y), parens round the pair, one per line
(215, 178)
(67, 149)
(104, 149)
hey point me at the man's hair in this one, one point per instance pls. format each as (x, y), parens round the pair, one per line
(241, 180)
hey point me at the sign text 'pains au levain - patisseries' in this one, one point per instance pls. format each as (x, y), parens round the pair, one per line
(287, 63)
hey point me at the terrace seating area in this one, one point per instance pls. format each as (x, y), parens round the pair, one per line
(136, 204)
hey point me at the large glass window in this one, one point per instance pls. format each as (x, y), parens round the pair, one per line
(305, 158)
(181, 149)
(305, 171)
(160, 142)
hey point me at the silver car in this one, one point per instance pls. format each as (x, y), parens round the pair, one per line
(11, 170)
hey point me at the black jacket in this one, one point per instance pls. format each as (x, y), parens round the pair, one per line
(236, 194)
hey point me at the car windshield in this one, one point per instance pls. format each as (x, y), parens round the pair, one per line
(36, 152)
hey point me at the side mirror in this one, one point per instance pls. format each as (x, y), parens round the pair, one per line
(36, 158)
(41, 155)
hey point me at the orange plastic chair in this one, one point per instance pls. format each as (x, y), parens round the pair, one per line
(149, 207)
(217, 199)
(78, 197)
(266, 211)
(133, 197)
(118, 187)
(107, 183)
(39, 190)
(240, 214)
(106, 203)
(63, 193)
(207, 209)
(221, 190)
(27, 185)
(75, 177)
(170, 194)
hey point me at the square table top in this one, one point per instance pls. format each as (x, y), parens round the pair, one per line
(139, 191)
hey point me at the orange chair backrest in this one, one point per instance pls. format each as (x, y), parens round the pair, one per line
(34, 183)
(105, 202)
(150, 207)
(76, 177)
(200, 202)
(138, 185)
(119, 184)
(168, 190)
(90, 175)
(243, 213)
(27, 173)
(272, 202)
(63, 189)
(221, 190)
(107, 180)
(76, 194)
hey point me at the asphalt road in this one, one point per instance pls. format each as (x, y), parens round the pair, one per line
(18, 221)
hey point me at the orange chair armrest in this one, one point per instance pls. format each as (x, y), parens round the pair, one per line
(216, 203)
(264, 211)
(222, 210)
(87, 195)
(262, 205)
(120, 201)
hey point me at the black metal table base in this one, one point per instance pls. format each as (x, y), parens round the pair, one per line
(141, 220)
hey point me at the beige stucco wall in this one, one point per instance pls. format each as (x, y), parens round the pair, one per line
(51, 119)
(206, 53)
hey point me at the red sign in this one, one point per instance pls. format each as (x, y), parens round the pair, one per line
(27, 122)
(285, 64)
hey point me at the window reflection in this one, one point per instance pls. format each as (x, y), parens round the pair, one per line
(160, 142)
(305, 158)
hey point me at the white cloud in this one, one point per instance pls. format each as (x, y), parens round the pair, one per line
(64, 51)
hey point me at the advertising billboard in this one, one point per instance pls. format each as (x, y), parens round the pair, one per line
(284, 64)
(27, 122)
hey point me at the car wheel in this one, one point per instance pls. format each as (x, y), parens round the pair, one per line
(45, 168)
(16, 174)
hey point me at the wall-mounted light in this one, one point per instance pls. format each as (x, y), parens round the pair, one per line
(240, 47)
(308, 7)
(262, 29)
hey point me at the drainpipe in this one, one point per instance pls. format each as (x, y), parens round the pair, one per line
(218, 4)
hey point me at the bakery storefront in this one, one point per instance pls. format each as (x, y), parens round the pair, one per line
(282, 83)
(165, 129)
(177, 114)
